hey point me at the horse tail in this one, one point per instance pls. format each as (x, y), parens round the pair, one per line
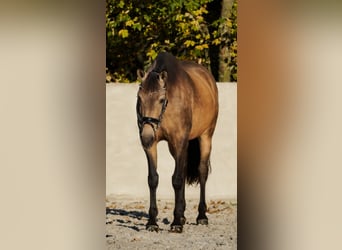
(194, 155)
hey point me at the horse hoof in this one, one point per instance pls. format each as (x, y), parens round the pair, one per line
(176, 229)
(202, 221)
(152, 228)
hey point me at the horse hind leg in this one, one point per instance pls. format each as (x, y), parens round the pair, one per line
(205, 146)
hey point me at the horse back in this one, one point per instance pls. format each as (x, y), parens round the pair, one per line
(204, 82)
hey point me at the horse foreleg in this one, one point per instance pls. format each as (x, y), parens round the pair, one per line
(153, 178)
(178, 183)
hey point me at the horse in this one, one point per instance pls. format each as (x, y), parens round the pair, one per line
(177, 101)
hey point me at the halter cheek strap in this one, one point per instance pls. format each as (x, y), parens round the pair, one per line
(142, 120)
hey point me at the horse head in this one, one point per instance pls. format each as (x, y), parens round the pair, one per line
(151, 104)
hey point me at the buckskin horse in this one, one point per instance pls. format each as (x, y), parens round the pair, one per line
(177, 101)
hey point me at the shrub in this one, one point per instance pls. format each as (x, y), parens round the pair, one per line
(233, 43)
(137, 30)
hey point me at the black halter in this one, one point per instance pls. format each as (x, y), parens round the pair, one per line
(142, 120)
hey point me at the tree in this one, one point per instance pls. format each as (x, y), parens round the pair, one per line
(137, 30)
(233, 42)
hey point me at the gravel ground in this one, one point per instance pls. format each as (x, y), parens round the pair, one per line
(126, 219)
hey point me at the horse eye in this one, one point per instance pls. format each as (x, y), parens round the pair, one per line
(162, 101)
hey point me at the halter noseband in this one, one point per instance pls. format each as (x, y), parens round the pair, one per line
(142, 120)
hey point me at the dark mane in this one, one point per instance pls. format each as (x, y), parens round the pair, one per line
(166, 62)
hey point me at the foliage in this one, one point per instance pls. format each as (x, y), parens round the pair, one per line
(137, 30)
(233, 43)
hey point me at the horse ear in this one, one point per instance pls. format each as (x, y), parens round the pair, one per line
(140, 74)
(162, 78)
(163, 75)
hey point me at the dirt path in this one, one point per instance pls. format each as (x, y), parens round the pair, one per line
(126, 219)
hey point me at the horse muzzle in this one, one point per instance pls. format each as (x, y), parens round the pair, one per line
(147, 135)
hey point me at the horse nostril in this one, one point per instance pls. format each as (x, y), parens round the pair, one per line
(147, 136)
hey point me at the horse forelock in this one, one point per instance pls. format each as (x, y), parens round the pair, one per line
(151, 83)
